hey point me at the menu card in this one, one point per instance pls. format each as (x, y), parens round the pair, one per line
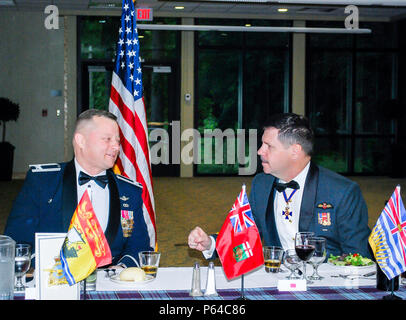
(50, 282)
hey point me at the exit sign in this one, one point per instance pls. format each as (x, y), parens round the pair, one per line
(144, 14)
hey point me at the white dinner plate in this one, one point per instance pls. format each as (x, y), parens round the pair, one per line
(133, 284)
(352, 268)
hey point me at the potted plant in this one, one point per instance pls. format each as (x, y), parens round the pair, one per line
(9, 111)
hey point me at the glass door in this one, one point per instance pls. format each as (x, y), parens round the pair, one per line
(162, 107)
(160, 88)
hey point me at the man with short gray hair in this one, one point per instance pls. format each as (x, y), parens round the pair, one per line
(294, 194)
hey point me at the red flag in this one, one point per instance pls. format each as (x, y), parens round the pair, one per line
(127, 103)
(238, 243)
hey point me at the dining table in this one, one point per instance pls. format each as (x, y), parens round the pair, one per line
(174, 283)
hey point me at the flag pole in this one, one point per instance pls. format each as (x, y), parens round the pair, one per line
(392, 296)
(242, 297)
(84, 289)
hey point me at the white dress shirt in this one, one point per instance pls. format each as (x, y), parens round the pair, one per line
(98, 196)
(287, 228)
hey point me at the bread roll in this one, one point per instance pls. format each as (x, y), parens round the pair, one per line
(132, 274)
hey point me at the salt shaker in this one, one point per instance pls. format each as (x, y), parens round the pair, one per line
(196, 290)
(211, 281)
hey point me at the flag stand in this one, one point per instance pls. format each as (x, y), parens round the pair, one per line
(242, 297)
(392, 296)
(84, 290)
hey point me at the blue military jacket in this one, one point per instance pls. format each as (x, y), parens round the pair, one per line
(48, 199)
(332, 207)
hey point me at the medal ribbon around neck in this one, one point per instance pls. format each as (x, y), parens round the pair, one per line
(287, 200)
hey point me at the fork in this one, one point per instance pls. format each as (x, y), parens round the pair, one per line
(346, 276)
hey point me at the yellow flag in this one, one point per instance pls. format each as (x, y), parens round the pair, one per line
(85, 247)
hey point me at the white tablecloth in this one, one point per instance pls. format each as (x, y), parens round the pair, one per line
(180, 278)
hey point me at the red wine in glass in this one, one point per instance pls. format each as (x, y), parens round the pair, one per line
(304, 251)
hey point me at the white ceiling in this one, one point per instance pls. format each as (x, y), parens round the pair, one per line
(382, 10)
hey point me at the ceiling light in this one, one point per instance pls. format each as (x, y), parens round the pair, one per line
(248, 25)
(282, 10)
(7, 3)
(103, 5)
(179, 8)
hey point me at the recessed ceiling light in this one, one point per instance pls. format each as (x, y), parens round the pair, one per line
(7, 3)
(103, 5)
(179, 8)
(282, 10)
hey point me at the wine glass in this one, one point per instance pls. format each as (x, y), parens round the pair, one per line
(318, 257)
(304, 250)
(291, 261)
(22, 264)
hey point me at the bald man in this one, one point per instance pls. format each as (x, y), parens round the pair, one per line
(51, 192)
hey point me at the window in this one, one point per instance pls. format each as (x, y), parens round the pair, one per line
(351, 89)
(241, 79)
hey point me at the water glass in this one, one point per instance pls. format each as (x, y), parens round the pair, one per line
(7, 256)
(22, 264)
(292, 262)
(318, 257)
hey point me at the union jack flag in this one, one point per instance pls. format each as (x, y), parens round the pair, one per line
(388, 237)
(127, 103)
(241, 215)
(238, 243)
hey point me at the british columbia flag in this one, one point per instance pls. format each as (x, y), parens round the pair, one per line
(388, 237)
(241, 215)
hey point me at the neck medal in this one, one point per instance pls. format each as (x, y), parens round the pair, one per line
(287, 213)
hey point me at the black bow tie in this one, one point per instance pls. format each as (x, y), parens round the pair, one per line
(100, 180)
(282, 186)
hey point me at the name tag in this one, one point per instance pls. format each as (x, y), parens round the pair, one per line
(292, 285)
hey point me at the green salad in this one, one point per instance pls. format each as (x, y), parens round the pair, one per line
(350, 260)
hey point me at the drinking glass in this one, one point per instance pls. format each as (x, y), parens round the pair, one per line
(273, 258)
(149, 262)
(7, 258)
(318, 257)
(22, 264)
(304, 250)
(291, 261)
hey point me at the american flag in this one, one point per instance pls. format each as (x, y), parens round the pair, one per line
(127, 103)
(388, 237)
(241, 215)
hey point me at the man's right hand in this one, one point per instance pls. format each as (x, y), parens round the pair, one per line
(199, 240)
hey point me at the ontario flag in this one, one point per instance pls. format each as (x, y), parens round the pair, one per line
(388, 237)
(85, 247)
(127, 104)
(239, 244)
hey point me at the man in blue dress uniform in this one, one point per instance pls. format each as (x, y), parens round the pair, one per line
(294, 194)
(51, 192)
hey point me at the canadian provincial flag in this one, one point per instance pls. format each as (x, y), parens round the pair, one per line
(238, 243)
